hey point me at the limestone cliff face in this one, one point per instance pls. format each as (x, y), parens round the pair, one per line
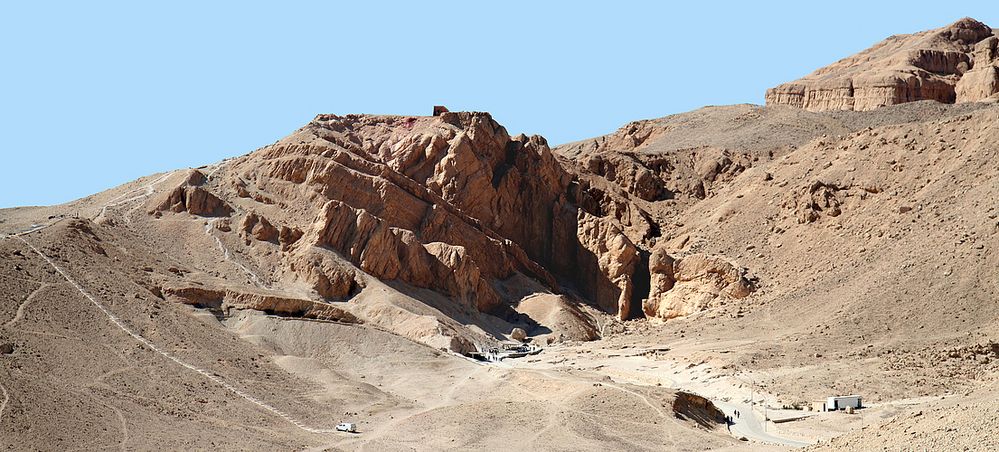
(691, 284)
(390, 253)
(454, 205)
(630, 187)
(622, 176)
(615, 257)
(451, 203)
(933, 65)
(982, 81)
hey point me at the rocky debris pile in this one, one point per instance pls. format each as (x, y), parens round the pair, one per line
(955, 63)
(973, 362)
(824, 199)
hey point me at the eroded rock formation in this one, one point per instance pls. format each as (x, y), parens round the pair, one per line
(454, 205)
(450, 203)
(946, 65)
(615, 257)
(691, 284)
(982, 81)
(221, 300)
(192, 198)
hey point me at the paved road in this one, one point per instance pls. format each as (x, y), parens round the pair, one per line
(748, 424)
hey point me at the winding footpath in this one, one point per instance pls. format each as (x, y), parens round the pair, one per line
(226, 255)
(211, 376)
(748, 426)
(148, 191)
(19, 315)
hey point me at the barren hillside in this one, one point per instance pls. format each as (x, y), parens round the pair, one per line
(736, 258)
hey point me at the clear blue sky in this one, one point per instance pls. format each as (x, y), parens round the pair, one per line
(94, 94)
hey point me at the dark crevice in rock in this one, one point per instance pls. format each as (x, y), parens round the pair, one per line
(641, 285)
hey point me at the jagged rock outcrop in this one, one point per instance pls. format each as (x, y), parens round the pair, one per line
(661, 278)
(982, 81)
(391, 253)
(628, 179)
(449, 203)
(628, 173)
(687, 285)
(191, 197)
(630, 160)
(288, 236)
(455, 206)
(905, 68)
(259, 228)
(599, 198)
(615, 258)
(324, 273)
(221, 300)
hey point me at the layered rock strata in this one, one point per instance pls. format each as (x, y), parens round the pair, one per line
(946, 65)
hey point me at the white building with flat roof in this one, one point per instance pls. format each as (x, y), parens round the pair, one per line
(843, 402)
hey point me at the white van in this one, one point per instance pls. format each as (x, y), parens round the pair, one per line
(346, 427)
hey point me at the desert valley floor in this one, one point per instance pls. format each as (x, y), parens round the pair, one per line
(702, 281)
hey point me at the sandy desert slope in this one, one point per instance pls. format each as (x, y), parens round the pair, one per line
(733, 258)
(75, 378)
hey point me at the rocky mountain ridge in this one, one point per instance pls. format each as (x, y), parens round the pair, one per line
(956, 63)
(449, 203)
(840, 239)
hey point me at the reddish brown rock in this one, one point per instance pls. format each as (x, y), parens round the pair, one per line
(449, 203)
(903, 68)
(330, 277)
(259, 228)
(661, 271)
(390, 253)
(192, 198)
(288, 237)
